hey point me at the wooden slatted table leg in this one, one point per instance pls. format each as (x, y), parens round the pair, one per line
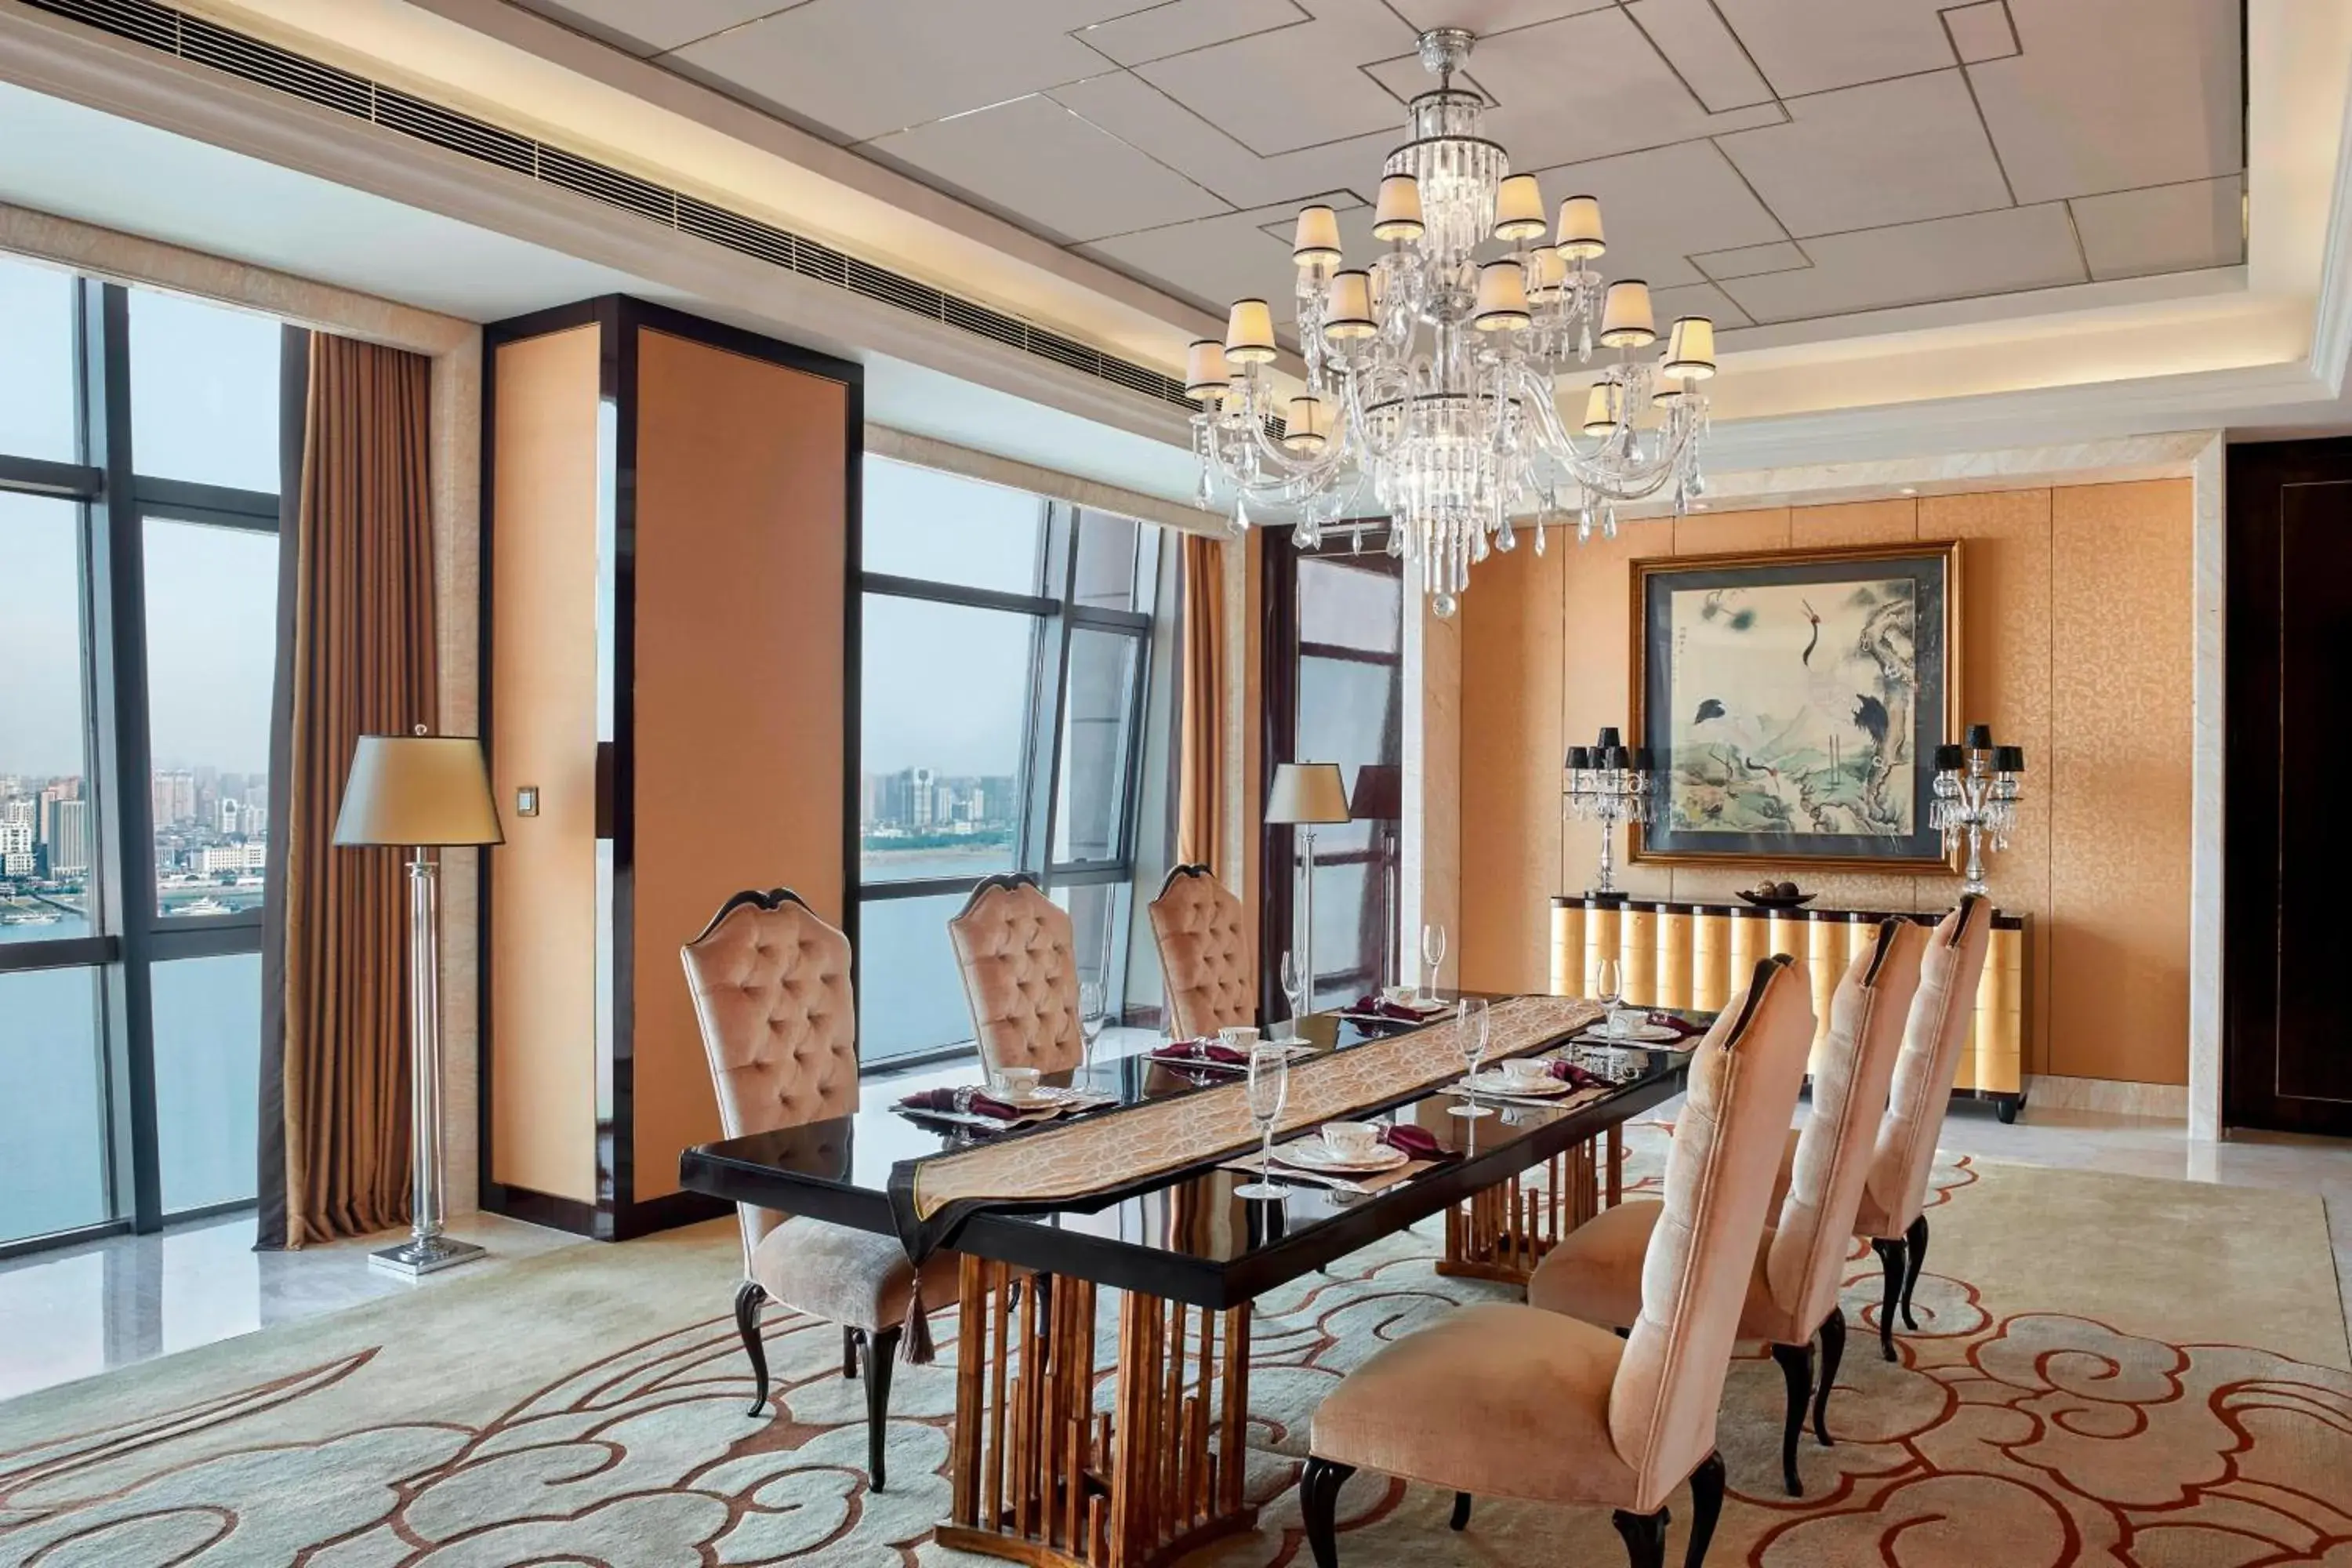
(1055, 1486)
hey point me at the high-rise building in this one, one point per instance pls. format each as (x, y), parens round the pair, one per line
(68, 841)
(175, 796)
(227, 815)
(16, 847)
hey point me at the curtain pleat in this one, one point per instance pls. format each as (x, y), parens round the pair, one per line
(362, 662)
(1199, 805)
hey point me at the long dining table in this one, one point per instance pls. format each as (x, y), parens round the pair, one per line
(1055, 1458)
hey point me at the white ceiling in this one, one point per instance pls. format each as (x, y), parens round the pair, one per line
(1765, 162)
(80, 163)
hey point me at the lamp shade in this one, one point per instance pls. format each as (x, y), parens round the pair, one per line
(1602, 406)
(1625, 320)
(1307, 427)
(1580, 757)
(1580, 237)
(1307, 793)
(1348, 309)
(1690, 348)
(1380, 794)
(1205, 370)
(1979, 738)
(1502, 298)
(418, 789)
(1316, 243)
(1548, 271)
(2009, 759)
(1950, 759)
(1398, 213)
(1609, 737)
(1519, 209)
(1249, 332)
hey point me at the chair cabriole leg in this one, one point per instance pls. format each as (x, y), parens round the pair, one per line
(1797, 1371)
(1890, 1259)
(1318, 1501)
(849, 1338)
(1461, 1520)
(1915, 1241)
(1832, 1356)
(1645, 1538)
(880, 1350)
(1707, 1507)
(748, 1296)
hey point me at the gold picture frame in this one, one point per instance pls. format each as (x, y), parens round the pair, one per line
(1934, 569)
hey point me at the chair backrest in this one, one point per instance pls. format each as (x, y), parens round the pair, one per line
(1806, 1257)
(770, 985)
(1020, 975)
(1205, 954)
(1728, 1141)
(1941, 1014)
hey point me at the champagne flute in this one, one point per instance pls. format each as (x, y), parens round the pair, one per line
(1268, 1090)
(1609, 988)
(1470, 1037)
(1293, 991)
(1433, 954)
(1092, 1015)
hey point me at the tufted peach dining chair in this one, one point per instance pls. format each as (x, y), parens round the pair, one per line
(1595, 1272)
(770, 983)
(1020, 975)
(1512, 1401)
(1895, 1196)
(1205, 954)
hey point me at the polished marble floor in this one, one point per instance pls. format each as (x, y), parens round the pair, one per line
(79, 1310)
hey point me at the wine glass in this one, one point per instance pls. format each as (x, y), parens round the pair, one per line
(1609, 987)
(1092, 1015)
(1268, 1090)
(1470, 1037)
(1433, 954)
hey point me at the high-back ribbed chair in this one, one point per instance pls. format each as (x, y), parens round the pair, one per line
(770, 983)
(1595, 1272)
(1015, 948)
(1205, 954)
(1895, 1196)
(1512, 1401)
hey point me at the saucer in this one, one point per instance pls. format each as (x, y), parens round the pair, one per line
(1496, 1083)
(1314, 1154)
(1644, 1034)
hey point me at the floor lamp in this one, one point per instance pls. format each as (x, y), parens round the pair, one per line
(421, 792)
(1379, 799)
(1306, 794)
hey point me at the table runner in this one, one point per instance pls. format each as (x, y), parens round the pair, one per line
(929, 1198)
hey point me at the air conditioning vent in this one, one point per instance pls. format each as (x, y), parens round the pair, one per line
(267, 65)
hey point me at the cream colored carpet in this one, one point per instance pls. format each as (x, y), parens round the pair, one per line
(2110, 1370)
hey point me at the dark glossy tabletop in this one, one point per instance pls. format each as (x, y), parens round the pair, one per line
(1187, 1238)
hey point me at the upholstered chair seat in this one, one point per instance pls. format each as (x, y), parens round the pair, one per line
(1595, 1271)
(1518, 1402)
(1015, 948)
(1891, 1214)
(771, 993)
(1205, 954)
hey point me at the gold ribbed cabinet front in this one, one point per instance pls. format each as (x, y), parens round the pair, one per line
(1695, 956)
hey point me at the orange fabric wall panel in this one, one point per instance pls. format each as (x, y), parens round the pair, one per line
(741, 558)
(543, 898)
(2075, 643)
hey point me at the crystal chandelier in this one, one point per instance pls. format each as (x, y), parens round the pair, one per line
(1447, 431)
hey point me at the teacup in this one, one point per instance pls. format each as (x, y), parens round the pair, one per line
(1352, 1139)
(1404, 994)
(1017, 1084)
(1240, 1038)
(1527, 1072)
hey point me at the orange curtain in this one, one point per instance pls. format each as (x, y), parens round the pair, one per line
(1199, 799)
(358, 625)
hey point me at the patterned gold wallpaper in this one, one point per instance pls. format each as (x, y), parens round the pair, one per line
(2076, 643)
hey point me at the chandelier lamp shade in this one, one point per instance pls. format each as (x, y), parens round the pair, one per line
(1436, 370)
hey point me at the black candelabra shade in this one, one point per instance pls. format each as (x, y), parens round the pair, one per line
(1610, 740)
(1642, 759)
(1580, 757)
(1950, 759)
(2009, 759)
(1979, 738)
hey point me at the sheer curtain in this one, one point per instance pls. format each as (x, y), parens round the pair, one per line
(1199, 808)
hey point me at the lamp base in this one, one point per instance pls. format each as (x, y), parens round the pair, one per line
(423, 1254)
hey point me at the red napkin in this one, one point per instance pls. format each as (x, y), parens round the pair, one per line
(1381, 1007)
(1189, 1053)
(1407, 1138)
(971, 1100)
(1575, 1077)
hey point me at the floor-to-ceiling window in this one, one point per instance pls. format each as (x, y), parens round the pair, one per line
(140, 461)
(1007, 654)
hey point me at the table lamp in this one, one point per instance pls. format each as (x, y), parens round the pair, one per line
(1304, 795)
(421, 792)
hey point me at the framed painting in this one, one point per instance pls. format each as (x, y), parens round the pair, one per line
(1792, 703)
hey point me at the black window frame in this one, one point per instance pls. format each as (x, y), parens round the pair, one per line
(1058, 617)
(129, 934)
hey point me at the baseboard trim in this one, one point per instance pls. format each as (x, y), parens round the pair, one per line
(2166, 1101)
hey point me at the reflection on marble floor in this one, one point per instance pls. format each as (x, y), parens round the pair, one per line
(82, 1309)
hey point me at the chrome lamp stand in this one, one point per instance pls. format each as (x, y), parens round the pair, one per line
(426, 1249)
(1974, 799)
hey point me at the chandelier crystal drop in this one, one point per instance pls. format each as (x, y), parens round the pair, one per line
(1434, 375)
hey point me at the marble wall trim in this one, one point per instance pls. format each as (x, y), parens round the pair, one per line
(2113, 1096)
(455, 348)
(2209, 780)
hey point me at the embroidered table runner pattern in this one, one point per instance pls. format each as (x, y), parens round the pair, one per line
(929, 1197)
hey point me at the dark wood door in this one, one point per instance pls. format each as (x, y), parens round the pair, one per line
(2288, 866)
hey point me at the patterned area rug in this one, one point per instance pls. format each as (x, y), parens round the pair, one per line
(2109, 1371)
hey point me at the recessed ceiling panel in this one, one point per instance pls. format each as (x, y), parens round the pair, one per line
(2165, 228)
(646, 29)
(1661, 206)
(1702, 51)
(1813, 45)
(1294, 86)
(1214, 261)
(1915, 263)
(1865, 157)
(1177, 26)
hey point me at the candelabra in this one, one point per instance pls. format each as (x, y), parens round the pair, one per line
(1609, 785)
(1975, 799)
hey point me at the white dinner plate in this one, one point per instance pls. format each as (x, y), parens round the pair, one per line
(1314, 1154)
(1644, 1034)
(1496, 1083)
